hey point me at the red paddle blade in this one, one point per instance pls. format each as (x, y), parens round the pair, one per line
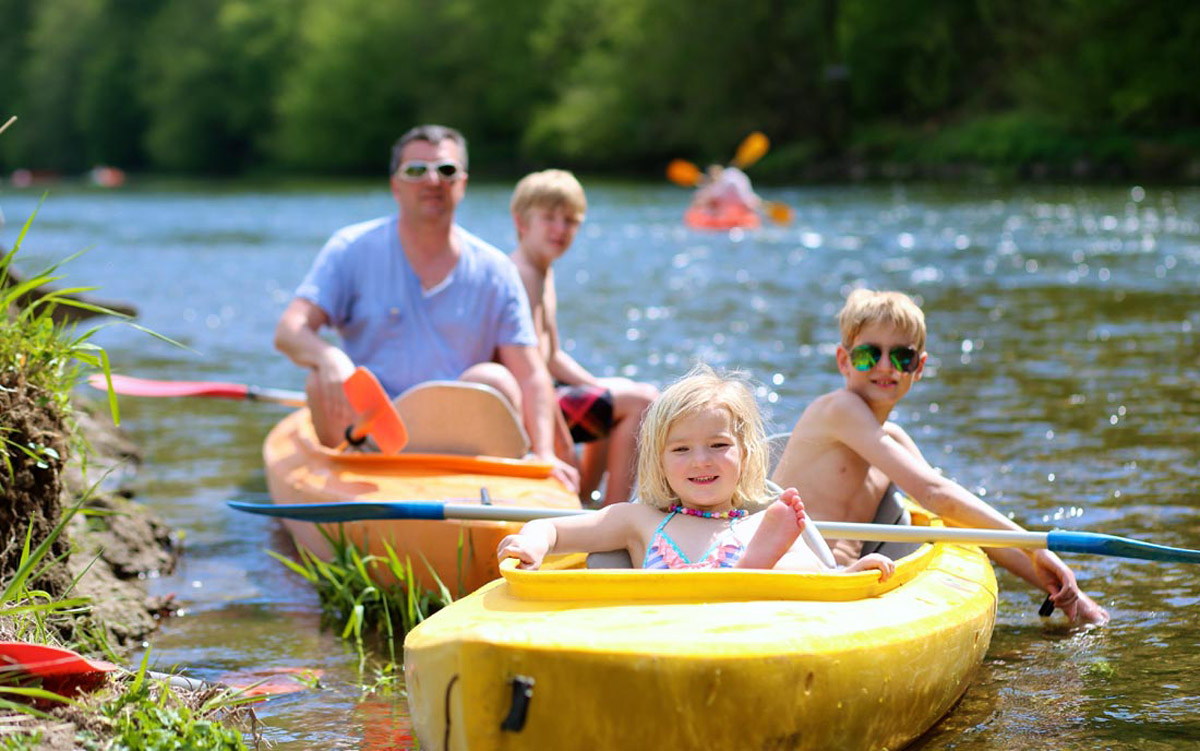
(130, 386)
(43, 661)
(377, 416)
(59, 670)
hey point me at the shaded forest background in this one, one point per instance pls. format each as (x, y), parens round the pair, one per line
(1028, 87)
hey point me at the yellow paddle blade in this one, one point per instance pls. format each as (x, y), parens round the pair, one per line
(780, 213)
(752, 148)
(683, 172)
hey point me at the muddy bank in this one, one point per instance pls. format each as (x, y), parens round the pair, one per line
(117, 541)
(110, 545)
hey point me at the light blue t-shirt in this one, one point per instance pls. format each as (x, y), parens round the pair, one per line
(405, 335)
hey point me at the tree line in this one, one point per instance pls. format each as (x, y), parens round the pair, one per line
(325, 86)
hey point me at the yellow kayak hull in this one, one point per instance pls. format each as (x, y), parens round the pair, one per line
(702, 659)
(461, 553)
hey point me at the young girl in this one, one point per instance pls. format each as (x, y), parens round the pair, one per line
(701, 462)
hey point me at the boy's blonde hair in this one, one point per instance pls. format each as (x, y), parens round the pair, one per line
(866, 306)
(703, 387)
(550, 188)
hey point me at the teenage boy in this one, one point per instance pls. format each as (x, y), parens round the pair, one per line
(601, 413)
(844, 456)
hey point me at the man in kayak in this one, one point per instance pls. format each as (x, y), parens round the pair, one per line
(414, 297)
(548, 208)
(726, 189)
(844, 456)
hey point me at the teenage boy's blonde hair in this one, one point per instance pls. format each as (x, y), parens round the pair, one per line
(703, 387)
(549, 188)
(865, 307)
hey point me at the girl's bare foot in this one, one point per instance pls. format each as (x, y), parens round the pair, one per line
(782, 523)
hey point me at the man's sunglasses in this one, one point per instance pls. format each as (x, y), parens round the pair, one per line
(866, 356)
(414, 171)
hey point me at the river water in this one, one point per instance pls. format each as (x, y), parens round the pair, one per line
(1062, 386)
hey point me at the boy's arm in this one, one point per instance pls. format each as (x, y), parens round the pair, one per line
(891, 450)
(895, 453)
(563, 367)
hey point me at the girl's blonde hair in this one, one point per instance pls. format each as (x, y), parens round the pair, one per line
(866, 306)
(701, 388)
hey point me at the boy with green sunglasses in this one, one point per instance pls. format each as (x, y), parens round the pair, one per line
(848, 460)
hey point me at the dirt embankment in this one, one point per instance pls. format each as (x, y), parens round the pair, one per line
(109, 547)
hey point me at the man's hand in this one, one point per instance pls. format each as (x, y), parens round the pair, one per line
(329, 378)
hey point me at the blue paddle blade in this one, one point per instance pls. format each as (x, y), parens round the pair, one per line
(1095, 543)
(345, 511)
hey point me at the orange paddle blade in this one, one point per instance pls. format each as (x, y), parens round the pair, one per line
(752, 148)
(683, 172)
(780, 213)
(377, 416)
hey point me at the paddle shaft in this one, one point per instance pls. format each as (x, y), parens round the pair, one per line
(1058, 541)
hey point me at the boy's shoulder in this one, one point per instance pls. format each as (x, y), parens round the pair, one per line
(837, 402)
(832, 414)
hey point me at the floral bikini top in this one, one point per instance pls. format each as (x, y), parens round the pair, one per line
(663, 553)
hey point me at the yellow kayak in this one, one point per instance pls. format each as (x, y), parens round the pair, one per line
(462, 553)
(567, 658)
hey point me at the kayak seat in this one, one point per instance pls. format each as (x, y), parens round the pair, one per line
(458, 417)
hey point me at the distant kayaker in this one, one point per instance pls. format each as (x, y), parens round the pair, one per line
(414, 297)
(844, 454)
(726, 189)
(702, 460)
(603, 414)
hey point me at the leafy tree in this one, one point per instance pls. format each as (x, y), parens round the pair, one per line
(663, 77)
(61, 37)
(14, 32)
(208, 70)
(1102, 63)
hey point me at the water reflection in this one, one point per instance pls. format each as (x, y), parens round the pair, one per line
(1061, 385)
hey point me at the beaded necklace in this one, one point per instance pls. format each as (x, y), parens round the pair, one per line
(735, 513)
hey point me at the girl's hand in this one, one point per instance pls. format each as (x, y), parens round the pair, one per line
(524, 548)
(886, 566)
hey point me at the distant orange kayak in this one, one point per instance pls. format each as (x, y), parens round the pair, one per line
(727, 217)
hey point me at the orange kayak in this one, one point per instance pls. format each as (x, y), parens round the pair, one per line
(462, 553)
(728, 217)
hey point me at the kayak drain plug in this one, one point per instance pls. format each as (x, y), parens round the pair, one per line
(522, 694)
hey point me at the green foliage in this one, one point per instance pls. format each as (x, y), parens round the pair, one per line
(48, 355)
(1101, 62)
(150, 718)
(208, 70)
(239, 85)
(352, 599)
(657, 78)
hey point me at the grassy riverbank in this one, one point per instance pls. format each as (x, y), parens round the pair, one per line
(73, 548)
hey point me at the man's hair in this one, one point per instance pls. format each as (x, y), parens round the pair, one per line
(433, 134)
(549, 188)
(865, 307)
(701, 388)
